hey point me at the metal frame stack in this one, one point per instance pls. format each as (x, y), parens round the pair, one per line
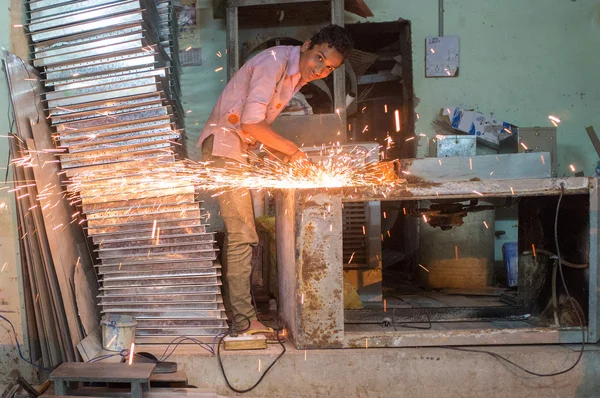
(113, 99)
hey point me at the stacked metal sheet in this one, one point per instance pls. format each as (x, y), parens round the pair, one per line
(113, 99)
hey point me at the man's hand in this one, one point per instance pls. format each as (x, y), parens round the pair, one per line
(298, 157)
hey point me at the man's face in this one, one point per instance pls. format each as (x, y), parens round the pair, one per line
(319, 61)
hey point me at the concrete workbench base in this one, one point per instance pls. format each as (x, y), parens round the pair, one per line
(397, 372)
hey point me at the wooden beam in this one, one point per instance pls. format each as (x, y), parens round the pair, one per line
(358, 7)
(594, 138)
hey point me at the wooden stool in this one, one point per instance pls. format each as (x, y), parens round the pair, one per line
(137, 374)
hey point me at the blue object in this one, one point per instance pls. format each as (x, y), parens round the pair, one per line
(598, 170)
(511, 260)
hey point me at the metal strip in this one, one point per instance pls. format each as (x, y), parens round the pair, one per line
(81, 16)
(87, 26)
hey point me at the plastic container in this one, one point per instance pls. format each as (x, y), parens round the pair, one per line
(118, 332)
(511, 260)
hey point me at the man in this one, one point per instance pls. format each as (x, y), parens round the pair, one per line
(242, 116)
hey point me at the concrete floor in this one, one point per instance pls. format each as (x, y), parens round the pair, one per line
(397, 372)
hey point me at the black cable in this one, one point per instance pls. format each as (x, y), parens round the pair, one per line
(574, 303)
(261, 377)
(407, 324)
(19, 346)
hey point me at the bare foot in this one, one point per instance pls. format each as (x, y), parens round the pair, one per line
(258, 325)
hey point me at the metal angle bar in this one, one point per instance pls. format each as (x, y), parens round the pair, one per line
(155, 250)
(207, 250)
(164, 299)
(148, 204)
(133, 227)
(148, 72)
(102, 88)
(69, 58)
(74, 16)
(73, 145)
(113, 144)
(190, 280)
(131, 191)
(61, 9)
(200, 305)
(169, 332)
(156, 257)
(117, 110)
(105, 105)
(180, 315)
(144, 195)
(148, 291)
(142, 210)
(89, 37)
(114, 120)
(155, 216)
(159, 323)
(109, 67)
(87, 26)
(164, 230)
(124, 92)
(159, 274)
(164, 239)
(166, 199)
(109, 153)
(61, 47)
(171, 266)
(146, 154)
(156, 124)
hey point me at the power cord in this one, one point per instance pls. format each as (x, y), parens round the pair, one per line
(19, 347)
(409, 324)
(240, 391)
(577, 308)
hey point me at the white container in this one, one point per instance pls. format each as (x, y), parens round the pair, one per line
(118, 332)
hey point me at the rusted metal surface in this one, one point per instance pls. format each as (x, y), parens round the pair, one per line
(309, 250)
(466, 189)
(476, 336)
(316, 294)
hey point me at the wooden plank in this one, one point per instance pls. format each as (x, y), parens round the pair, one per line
(63, 236)
(594, 138)
(91, 346)
(104, 372)
(484, 167)
(38, 254)
(358, 7)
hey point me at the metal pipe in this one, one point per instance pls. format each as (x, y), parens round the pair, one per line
(440, 18)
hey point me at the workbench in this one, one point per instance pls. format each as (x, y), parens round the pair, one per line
(309, 257)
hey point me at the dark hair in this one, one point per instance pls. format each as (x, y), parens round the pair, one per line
(336, 37)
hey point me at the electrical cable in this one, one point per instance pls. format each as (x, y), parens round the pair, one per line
(19, 347)
(406, 324)
(240, 391)
(574, 303)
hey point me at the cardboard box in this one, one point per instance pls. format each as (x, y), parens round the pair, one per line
(476, 123)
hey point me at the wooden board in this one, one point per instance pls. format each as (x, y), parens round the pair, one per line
(103, 372)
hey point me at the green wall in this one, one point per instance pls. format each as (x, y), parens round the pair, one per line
(521, 60)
